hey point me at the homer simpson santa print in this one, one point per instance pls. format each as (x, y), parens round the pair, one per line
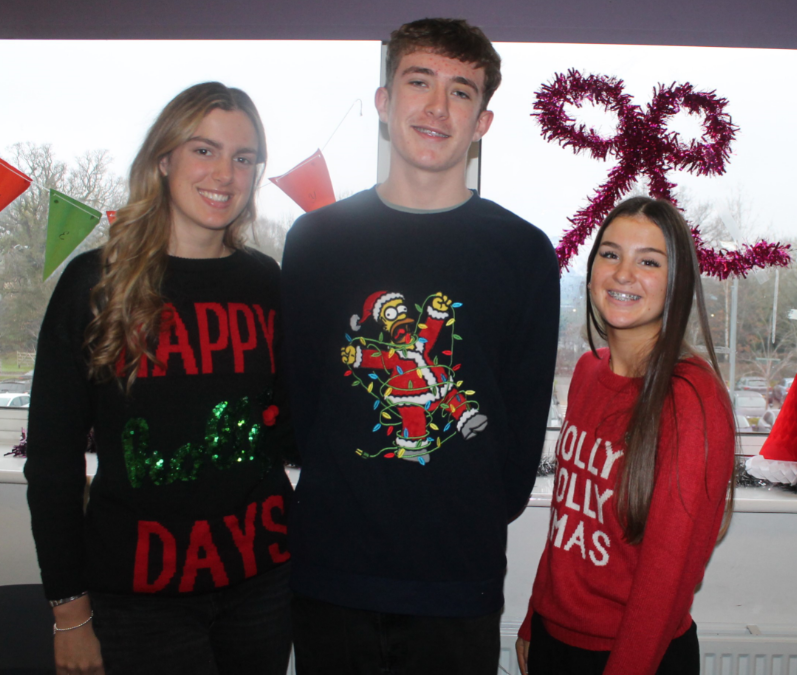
(418, 399)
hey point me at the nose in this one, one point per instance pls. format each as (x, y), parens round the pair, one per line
(437, 103)
(624, 271)
(223, 170)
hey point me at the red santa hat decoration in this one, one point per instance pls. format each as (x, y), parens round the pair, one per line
(777, 460)
(372, 306)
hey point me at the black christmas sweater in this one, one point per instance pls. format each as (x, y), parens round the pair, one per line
(420, 357)
(190, 493)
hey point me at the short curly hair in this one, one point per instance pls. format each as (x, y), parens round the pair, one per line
(454, 38)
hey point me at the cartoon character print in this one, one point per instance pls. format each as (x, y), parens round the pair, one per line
(416, 395)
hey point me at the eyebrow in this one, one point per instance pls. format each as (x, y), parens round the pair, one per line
(647, 249)
(428, 71)
(218, 146)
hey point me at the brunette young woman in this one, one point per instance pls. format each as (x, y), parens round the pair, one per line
(644, 465)
(163, 342)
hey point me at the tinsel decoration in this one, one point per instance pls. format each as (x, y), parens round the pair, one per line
(547, 466)
(21, 448)
(745, 479)
(643, 146)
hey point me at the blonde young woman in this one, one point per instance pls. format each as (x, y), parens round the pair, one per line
(163, 342)
(644, 458)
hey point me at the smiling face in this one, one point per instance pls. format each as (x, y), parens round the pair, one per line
(628, 285)
(433, 112)
(211, 176)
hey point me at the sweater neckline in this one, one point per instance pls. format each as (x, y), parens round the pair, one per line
(204, 264)
(396, 208)
(609, 378)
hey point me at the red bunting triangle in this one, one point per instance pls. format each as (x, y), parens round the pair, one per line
(308, 183)
(111, 217)
(12, 184)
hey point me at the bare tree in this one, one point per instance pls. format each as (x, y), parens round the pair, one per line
(23, 232)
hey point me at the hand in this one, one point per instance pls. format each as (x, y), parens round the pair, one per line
(77, 652)
(522, 649)
(348, 355)
(441, 303)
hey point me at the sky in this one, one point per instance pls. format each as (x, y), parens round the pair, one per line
(86, 95)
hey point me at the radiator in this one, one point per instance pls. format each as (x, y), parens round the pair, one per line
(743, 652)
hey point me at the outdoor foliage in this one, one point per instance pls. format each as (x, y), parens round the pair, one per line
(23, 229)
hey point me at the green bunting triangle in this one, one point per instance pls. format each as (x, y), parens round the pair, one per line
(68, 224)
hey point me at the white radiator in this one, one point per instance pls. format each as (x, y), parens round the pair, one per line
(738, 653)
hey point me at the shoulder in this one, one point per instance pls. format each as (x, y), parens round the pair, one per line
(701, 403)
(258, 261)
(79, 276)
(358, 204)
(509, 230)
(695, 379)
(589, 365)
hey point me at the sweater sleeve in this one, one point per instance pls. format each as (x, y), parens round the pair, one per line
(527, 378)
(60, 417)
(682, 525)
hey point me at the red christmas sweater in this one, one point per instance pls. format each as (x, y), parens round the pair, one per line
(594, 590)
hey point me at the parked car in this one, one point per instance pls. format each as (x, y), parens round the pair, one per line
(749, 404)
(780, 390)
(742, 424)
(18, 385)
(756, 384)
(767, 420)
(14, 400)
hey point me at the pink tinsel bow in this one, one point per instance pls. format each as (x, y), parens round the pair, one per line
(645, 147)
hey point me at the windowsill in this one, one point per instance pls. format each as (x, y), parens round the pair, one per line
(746, 499)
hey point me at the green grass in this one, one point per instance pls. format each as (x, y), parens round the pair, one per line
(8, 365)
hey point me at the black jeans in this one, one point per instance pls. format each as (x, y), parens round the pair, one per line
(549, 656)
(334, 640)
(242, 630)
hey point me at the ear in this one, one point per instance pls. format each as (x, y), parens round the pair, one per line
(382, 102)
(163, 165)
(483, 124)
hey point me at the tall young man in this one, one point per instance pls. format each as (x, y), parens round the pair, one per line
(421, 325)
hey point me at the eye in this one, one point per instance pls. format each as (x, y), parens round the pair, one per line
(608, 254)
(203, 151)
(649, 262)
(459, 93)
(402, 309)
(391, 313)
(246, 161)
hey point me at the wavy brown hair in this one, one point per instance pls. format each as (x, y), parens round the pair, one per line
(638, 472)
(127, 302)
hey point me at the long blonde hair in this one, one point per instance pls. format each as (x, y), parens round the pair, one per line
(126, 302)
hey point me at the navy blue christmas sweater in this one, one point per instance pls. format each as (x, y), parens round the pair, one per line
(420, 356)
(190, 493)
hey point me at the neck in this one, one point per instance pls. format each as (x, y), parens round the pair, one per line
(198, 245)
(416, 189)
(627, 356)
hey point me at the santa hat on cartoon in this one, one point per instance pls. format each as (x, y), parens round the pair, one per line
(373, 306)
(777, 460)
